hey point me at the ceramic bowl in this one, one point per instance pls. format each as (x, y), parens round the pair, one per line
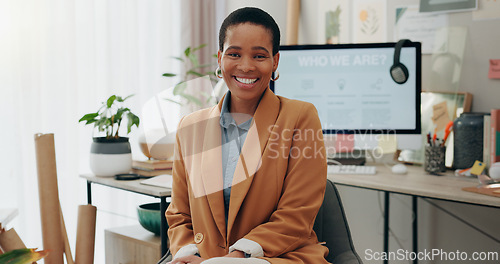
(150, 217)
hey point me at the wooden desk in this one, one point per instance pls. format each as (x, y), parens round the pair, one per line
(136, 187)
(416, 183)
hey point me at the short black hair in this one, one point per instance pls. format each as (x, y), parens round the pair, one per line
(255, 16)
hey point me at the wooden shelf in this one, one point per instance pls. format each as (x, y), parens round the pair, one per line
(131, 244)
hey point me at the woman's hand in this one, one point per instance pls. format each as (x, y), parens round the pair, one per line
(187, 260)
(235, 254)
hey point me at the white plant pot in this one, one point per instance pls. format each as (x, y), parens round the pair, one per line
(108, 158)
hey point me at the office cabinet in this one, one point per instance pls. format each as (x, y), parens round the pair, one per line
(131, 245)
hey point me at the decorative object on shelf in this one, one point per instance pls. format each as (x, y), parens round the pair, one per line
(150, 217)
(111, 154)
(494, 171)
(162, 147)
(468, 140)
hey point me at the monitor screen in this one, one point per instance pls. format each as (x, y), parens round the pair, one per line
(351, 86)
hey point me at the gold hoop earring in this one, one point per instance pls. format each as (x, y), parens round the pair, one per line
(276, 76)
(218, 73)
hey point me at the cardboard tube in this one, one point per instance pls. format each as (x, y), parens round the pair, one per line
(292, 22)
(49, 198)
(10, 240)
(67, 248)
(85, 234)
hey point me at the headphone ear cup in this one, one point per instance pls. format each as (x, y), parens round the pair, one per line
(399, 73)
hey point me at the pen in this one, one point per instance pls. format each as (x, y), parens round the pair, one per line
(434, 137)
(447, 132)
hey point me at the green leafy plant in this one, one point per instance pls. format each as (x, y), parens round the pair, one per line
(192, 69)
(23, 256)
(110, 115)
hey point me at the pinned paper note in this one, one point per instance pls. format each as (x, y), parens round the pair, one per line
(477, 168)
(494, 69)
(440, 116)
(344, 143)
(388, 143)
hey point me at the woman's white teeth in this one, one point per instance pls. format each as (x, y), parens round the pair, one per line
(245, 80)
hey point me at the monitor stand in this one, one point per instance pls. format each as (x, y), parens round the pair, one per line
(356, 157)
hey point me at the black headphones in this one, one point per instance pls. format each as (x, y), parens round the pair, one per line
(399, 72)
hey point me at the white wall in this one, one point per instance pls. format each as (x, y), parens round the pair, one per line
(363, 207)
(276, 8)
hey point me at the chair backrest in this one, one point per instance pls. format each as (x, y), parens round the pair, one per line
(331, 227)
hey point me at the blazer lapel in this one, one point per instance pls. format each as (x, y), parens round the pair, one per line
(211, 169)
(251, 153)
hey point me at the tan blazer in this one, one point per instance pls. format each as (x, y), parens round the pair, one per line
(278, 184)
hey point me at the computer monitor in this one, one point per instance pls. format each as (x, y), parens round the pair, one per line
(351, 86)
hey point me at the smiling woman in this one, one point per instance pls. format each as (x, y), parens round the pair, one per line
(233, 199)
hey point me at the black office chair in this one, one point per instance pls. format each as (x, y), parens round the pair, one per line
(331, 227)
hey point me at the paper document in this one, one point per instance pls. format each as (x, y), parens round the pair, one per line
(164, 181)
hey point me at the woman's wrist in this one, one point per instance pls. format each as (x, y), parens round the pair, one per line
(236, 254)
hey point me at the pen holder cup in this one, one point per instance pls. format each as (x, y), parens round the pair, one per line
(434, 159)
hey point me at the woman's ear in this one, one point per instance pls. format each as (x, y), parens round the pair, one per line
(219, 57)
(276, 59)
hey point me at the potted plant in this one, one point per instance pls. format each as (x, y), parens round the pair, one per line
(191, 68)
(110, 153)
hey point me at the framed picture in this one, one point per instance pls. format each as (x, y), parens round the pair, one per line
(457, 103)
(447, 5)
(333, 24)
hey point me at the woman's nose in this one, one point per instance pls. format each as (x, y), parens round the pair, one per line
(246, 64)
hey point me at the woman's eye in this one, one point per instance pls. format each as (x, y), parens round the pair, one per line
(260, 56)
(232, 55)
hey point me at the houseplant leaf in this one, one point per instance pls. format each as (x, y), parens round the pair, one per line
(90, 118)
(191, 72)
(199, 47)
(23, 256)
(179, 59)
(187, 51)
(120, 99)
(132, 120)
(110, 101)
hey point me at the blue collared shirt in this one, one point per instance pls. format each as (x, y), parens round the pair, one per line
(233, 137)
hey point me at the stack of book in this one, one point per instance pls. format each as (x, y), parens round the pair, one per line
(152, 167)
(491, 138)
(494, 135)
